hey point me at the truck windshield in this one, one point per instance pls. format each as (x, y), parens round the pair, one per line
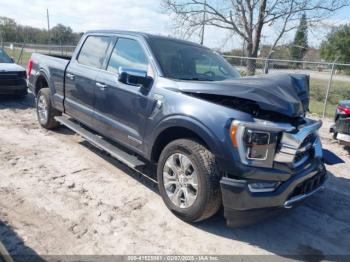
(181, 60)
(4, 58)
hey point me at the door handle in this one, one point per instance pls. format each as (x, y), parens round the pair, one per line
(70, 76)
(101, 86)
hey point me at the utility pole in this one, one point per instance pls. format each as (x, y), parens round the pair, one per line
(329, 88)
(2, 40)
(48, 25)
(203, 23)
(243, 51)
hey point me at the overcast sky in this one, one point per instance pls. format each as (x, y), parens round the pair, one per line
(140, 15)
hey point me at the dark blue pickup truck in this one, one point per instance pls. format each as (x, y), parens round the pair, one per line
(216, 138)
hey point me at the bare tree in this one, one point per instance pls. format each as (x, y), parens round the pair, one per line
(247, 18)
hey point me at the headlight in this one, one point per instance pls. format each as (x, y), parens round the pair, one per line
(255, 147)
(256, 144)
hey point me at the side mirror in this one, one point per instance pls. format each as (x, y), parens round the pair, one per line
(134, 77)
(12, 59)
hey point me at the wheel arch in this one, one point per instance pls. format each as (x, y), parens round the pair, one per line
(41, 82)
(177, 129)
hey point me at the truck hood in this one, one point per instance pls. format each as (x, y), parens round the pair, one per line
(10, 67)
(287, 94)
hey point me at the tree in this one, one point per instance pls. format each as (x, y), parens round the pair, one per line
(8, 29)
(300, 44)
(336, 47)
(248, 18)
(61, 34)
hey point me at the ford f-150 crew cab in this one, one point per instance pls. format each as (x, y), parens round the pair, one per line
(216, 138)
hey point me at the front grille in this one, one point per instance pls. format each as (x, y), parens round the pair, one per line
(343, 125)
(12, 75)
(9, 75)
(310, 139)
(305, 149)
(10, 82)
(300, 155)
(309, 185)
(296, 147)
(11, 79)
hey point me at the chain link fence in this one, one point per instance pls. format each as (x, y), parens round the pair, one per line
(329, 82)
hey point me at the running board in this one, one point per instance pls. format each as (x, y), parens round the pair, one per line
(128, 159)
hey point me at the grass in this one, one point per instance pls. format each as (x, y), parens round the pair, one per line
(340, 90)
(316, 107)
(15, 53)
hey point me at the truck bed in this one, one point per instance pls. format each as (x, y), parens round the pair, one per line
(64, 57)
(54, 67)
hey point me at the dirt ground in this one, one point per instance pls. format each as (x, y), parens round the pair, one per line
(59, 196)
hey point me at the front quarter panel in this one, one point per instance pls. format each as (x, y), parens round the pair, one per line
(208, 120)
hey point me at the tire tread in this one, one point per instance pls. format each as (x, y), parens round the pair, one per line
(51, 123)
(209, 165)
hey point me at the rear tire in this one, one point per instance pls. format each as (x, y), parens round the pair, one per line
(190, 199)
(45, 112)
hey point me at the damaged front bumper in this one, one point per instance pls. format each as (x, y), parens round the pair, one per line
(256, 194)
(243, 207)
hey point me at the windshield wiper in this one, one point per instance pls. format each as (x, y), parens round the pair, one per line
(195, 79)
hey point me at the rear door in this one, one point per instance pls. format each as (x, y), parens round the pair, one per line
(121, 110)
(81, 75)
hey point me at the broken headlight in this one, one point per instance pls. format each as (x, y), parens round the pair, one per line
(256, 147)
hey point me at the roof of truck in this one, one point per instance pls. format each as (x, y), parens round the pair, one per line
(142, 34)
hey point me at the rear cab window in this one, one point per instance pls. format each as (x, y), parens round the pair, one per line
(94, 51)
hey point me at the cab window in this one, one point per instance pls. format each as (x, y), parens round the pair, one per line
(94, 51)
(127, 53)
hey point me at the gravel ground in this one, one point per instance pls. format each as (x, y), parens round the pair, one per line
(59, 196)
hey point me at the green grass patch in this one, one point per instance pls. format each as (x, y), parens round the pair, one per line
(316, 107)
(15, 53)
(340, 90)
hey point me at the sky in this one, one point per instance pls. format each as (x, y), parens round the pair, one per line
(138, 15)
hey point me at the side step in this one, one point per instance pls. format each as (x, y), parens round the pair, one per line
(128, 159)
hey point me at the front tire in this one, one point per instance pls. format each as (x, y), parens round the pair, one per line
(189, 181)
(45, 112)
